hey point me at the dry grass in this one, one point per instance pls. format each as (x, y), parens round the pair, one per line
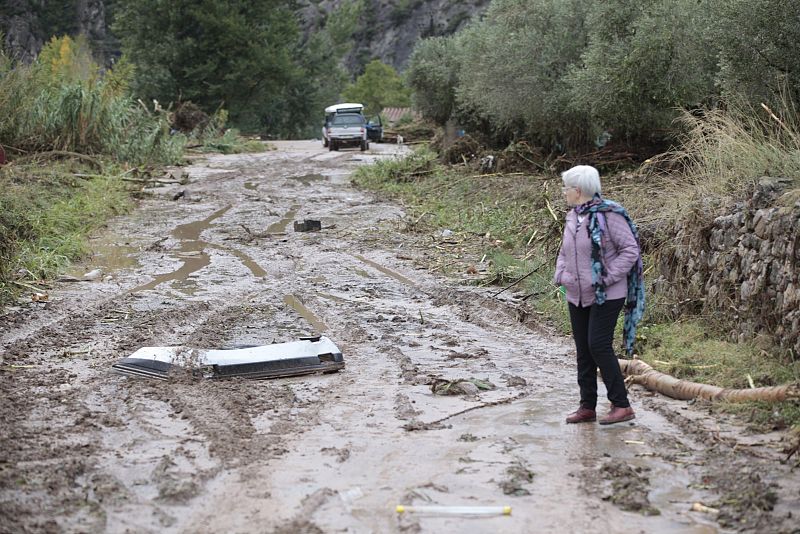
(722, 155)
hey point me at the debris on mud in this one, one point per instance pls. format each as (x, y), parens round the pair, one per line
(341, 454)
(421, 493)
(514, 381)
(301, 522)
(629, 487)
(471, 355)
(463, 149)
(519, 476)
(746, 499)
(468, 437)
(461, 386)
(403, 407)
(410, 373)
(700, 507)
(417, 425)
(309, 355)
(172, 486)
(308, 225)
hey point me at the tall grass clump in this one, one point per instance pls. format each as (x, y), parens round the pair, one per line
(65, 102)
(45, 216)
(726, 150)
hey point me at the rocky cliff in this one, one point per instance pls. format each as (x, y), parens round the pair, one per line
(389, 29)
(386, 29)
(28, 24)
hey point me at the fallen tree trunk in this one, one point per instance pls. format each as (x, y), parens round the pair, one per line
(640, 373)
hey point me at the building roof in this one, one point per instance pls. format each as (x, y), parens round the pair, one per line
(395, 114)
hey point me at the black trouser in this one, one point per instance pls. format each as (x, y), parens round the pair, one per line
(593, 330)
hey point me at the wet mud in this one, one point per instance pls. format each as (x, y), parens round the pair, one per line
(85, 450)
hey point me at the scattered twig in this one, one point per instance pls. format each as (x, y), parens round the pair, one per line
(434, 424)
(35, 156)
(498, 174)
(150, 180)
(28, 286)
(520, 279)
(550, 209)
(424, 213)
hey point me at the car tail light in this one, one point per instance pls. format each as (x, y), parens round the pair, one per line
(362, 130)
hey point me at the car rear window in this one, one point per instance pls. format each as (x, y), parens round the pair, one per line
(348, 119)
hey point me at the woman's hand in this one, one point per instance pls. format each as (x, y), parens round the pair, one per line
(567, 280)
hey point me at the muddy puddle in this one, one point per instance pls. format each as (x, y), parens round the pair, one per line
(108, 255)
(279, 227)
(192, 252)
(297, 305)
(84, 450)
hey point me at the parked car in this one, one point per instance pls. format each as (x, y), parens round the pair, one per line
(348, 129)
(375, 129)
(332, 111)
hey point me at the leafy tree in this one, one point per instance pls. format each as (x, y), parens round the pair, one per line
(380, 86)
(323, 77)
(759, 53)
(433, 75)
(644, 60)
(235, 53)
(512, 67)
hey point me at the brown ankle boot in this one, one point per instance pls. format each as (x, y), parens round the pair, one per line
(582, 415)
(617, 415)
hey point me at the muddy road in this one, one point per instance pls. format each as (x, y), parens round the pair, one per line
(86, 450)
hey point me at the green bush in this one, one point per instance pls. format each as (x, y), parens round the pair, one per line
(432, 74)
(62, 102)
(512, 68)
(644, 61)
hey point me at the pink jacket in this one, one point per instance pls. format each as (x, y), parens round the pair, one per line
(574, 264)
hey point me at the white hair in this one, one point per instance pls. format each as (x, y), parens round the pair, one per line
(583, 177)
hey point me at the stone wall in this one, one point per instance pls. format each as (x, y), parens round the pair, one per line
(742, 269)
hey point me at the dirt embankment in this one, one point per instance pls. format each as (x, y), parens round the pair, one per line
(84, 450)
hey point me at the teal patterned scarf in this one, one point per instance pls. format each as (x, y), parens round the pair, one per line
(634, 302)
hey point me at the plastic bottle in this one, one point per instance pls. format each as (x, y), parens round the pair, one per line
(454, 510)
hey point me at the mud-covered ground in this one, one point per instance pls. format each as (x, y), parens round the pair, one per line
(85, 450)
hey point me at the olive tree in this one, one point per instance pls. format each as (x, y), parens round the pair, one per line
(433, 75)
(759, 52)
(645, 59)
(512, 67)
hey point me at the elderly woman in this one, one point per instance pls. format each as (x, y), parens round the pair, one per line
(600, 265)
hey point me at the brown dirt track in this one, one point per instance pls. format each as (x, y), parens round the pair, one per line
(86, 450)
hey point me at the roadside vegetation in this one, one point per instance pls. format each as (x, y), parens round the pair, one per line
(512, 220)
(682, 115)
(568, 76)
(71, 132)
